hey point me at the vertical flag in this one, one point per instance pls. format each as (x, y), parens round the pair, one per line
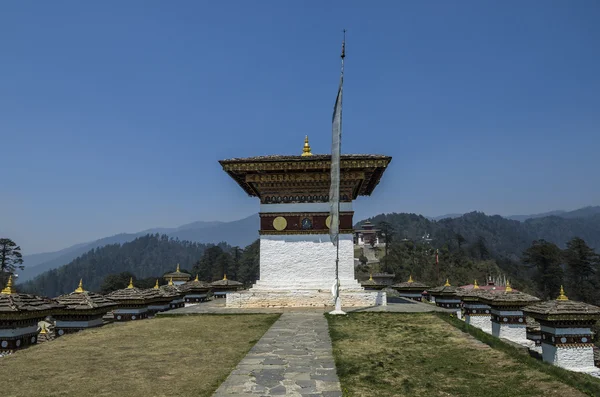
(436, 256)
(336, 143)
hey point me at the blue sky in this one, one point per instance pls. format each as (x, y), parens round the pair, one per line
(113, 114)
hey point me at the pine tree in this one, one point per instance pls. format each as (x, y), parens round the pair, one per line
(545, 258)
(11, 259)
(582, 268)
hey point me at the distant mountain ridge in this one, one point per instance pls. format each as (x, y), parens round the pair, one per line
(237, 233)
(555, 226)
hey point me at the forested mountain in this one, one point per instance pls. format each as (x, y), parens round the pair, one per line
(240, 233)
(503, 237)
(147, 256)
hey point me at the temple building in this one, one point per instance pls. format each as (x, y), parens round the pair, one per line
(371, 284)
(162, 304)
(508, 320)
(221, 288)
(80, 310)
(19, 317)
(476, 313)
(297, 258)
(410, 289)
(445, 296)
(132, 302)
(177, 277)
(173, 292)
(566, 330)
(367, 235)
(195, 291)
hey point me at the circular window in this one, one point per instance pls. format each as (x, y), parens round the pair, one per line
(4, 343)
(133, 317)
(521, 319)
(563, 340)
(487, 312)
(505, 319)
(474, 311)
(584, 339)
(118, 317)
(61, 332)
(553, 339)
(18, 343)
(306, 224)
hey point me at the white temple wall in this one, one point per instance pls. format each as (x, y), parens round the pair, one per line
(580, 359)
(305, 261)
(484, 323)
(514, 332)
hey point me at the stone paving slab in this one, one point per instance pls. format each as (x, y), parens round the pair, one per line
(293, 358)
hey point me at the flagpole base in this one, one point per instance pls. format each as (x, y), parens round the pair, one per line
(338, 307)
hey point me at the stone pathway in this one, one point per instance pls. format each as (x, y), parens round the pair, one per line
(293, 358)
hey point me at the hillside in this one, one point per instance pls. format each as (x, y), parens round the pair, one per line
(146, 256)
(237, 233)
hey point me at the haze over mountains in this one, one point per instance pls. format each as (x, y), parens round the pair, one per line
(556, 226)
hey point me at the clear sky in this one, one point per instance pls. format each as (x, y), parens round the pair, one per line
(113, 114)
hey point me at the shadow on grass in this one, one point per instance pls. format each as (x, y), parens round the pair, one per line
(582, 382)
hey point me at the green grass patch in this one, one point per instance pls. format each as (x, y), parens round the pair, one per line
(582, 382)
(396, 354)
(174, 357)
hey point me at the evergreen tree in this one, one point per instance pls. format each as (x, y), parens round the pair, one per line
(582, 268)
(249, 264)
(386, 233)
(11, 259)
(545, 258)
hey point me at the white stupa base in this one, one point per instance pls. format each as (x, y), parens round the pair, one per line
(303, 298)
(578, 359)
(338, 308)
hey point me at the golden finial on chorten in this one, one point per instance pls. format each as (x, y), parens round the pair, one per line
(171, 281)
(80, 288)
(306, 150)
(475, 285)
(130, 283)
(9, 289)
(177, 271)
(371, 277)
(224, 277)
(156, 285)
(447, 283)
(410, 280)
(508, 287)
(196, 279)
(562, 296)
(43, 331)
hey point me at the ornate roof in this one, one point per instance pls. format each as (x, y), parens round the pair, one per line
(444, 290)
(370, 282)
(410, 285)
(195, 285)
(133, 294)
(508, 297)
(170, 290)
(563, 309)
(254, 174)
(226, 283)
(14, 304)
(81, 299)
(177, 275)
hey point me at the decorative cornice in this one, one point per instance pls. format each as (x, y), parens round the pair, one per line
(289, 232)
(276, 214)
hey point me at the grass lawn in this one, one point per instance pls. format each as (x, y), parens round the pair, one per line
(391, 354)
(172, 356)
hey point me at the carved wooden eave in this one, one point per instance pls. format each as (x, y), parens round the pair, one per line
(308, 176)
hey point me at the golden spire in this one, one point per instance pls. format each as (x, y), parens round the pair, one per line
(410, 280)
(80, 288)
(43, 331)
(306, 151)
(508, 287)
(371, 277)
(447, 283)
(9, 287)
(475, 286)
(196, 277)
(177, 271)
(224, 277)
(156, 285)
(171, 281)
(562, 296)
(130, 283)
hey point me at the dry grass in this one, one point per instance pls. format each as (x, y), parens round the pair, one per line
(388, 354)
(174, 356)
